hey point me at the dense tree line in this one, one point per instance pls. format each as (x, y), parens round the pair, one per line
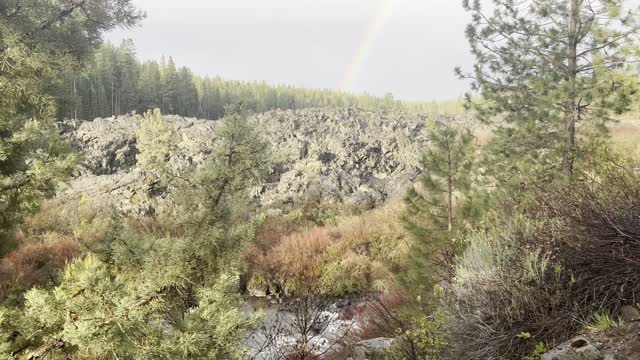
(115, 82)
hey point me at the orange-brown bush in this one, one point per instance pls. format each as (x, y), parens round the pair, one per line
(49, 238)
(35, 264)
(296, 261)
(356, 255)
(273, 228)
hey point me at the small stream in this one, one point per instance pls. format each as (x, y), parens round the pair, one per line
(317, 326)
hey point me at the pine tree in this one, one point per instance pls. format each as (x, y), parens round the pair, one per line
(156, 141)
(187, 94)
(127, 77)
(169, 87)
(548, 68)
(221, 183)
(40, 41)
(150, 86)
(435, 204)
(143, 296)
(115, 82)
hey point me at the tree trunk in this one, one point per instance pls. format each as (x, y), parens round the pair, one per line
(449, 194)
(75, 99)
(571, 103)
(450, 207)
(113, 104)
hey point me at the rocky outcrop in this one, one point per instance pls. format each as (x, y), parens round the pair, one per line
(619, 343)
(580, 348)
(350, 156)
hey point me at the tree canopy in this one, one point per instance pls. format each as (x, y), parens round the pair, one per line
(549, 68)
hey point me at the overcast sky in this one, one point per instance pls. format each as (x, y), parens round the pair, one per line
(406, 47)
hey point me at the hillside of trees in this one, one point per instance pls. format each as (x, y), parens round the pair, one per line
(114, 82)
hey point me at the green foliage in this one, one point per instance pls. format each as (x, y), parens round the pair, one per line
(140, 296)
(60, 27)
(126, 310)
(221, 184)
(538, 272)
(446, 178)
(436, 206)
(423, 339)
(540, 350)
(166, 295)
(500, 285)
(209, 193)
(346, 275)
(546, 71)
(33, 159)
(38, 42)
(156, 142)
(603, 322)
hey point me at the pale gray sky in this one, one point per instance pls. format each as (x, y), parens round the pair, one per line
(406, 47)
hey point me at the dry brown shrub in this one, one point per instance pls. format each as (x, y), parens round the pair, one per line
(298, 259)
(594, 232)
(35, 264)
(540, 277)
(274, 228)
(358, 254)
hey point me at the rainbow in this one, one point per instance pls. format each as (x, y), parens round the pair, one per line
(385, 10)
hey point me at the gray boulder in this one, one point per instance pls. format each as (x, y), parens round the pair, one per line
(370, 349)
(579, 348)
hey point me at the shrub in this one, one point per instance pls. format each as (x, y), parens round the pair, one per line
(48, 239)
(379, 234)
(416, 326)
(546, 273)
(297, 259)
(423, 340)
(78, 219)
(35, 264)
(594, 232)
(501, 291)
(382, 316)
(358, 254)
(347, 275)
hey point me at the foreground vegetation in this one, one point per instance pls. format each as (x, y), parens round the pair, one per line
(504, 247)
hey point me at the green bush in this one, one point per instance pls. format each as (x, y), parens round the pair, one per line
(546, 269)
(501, 290)
(423, 340)
(346, 275)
